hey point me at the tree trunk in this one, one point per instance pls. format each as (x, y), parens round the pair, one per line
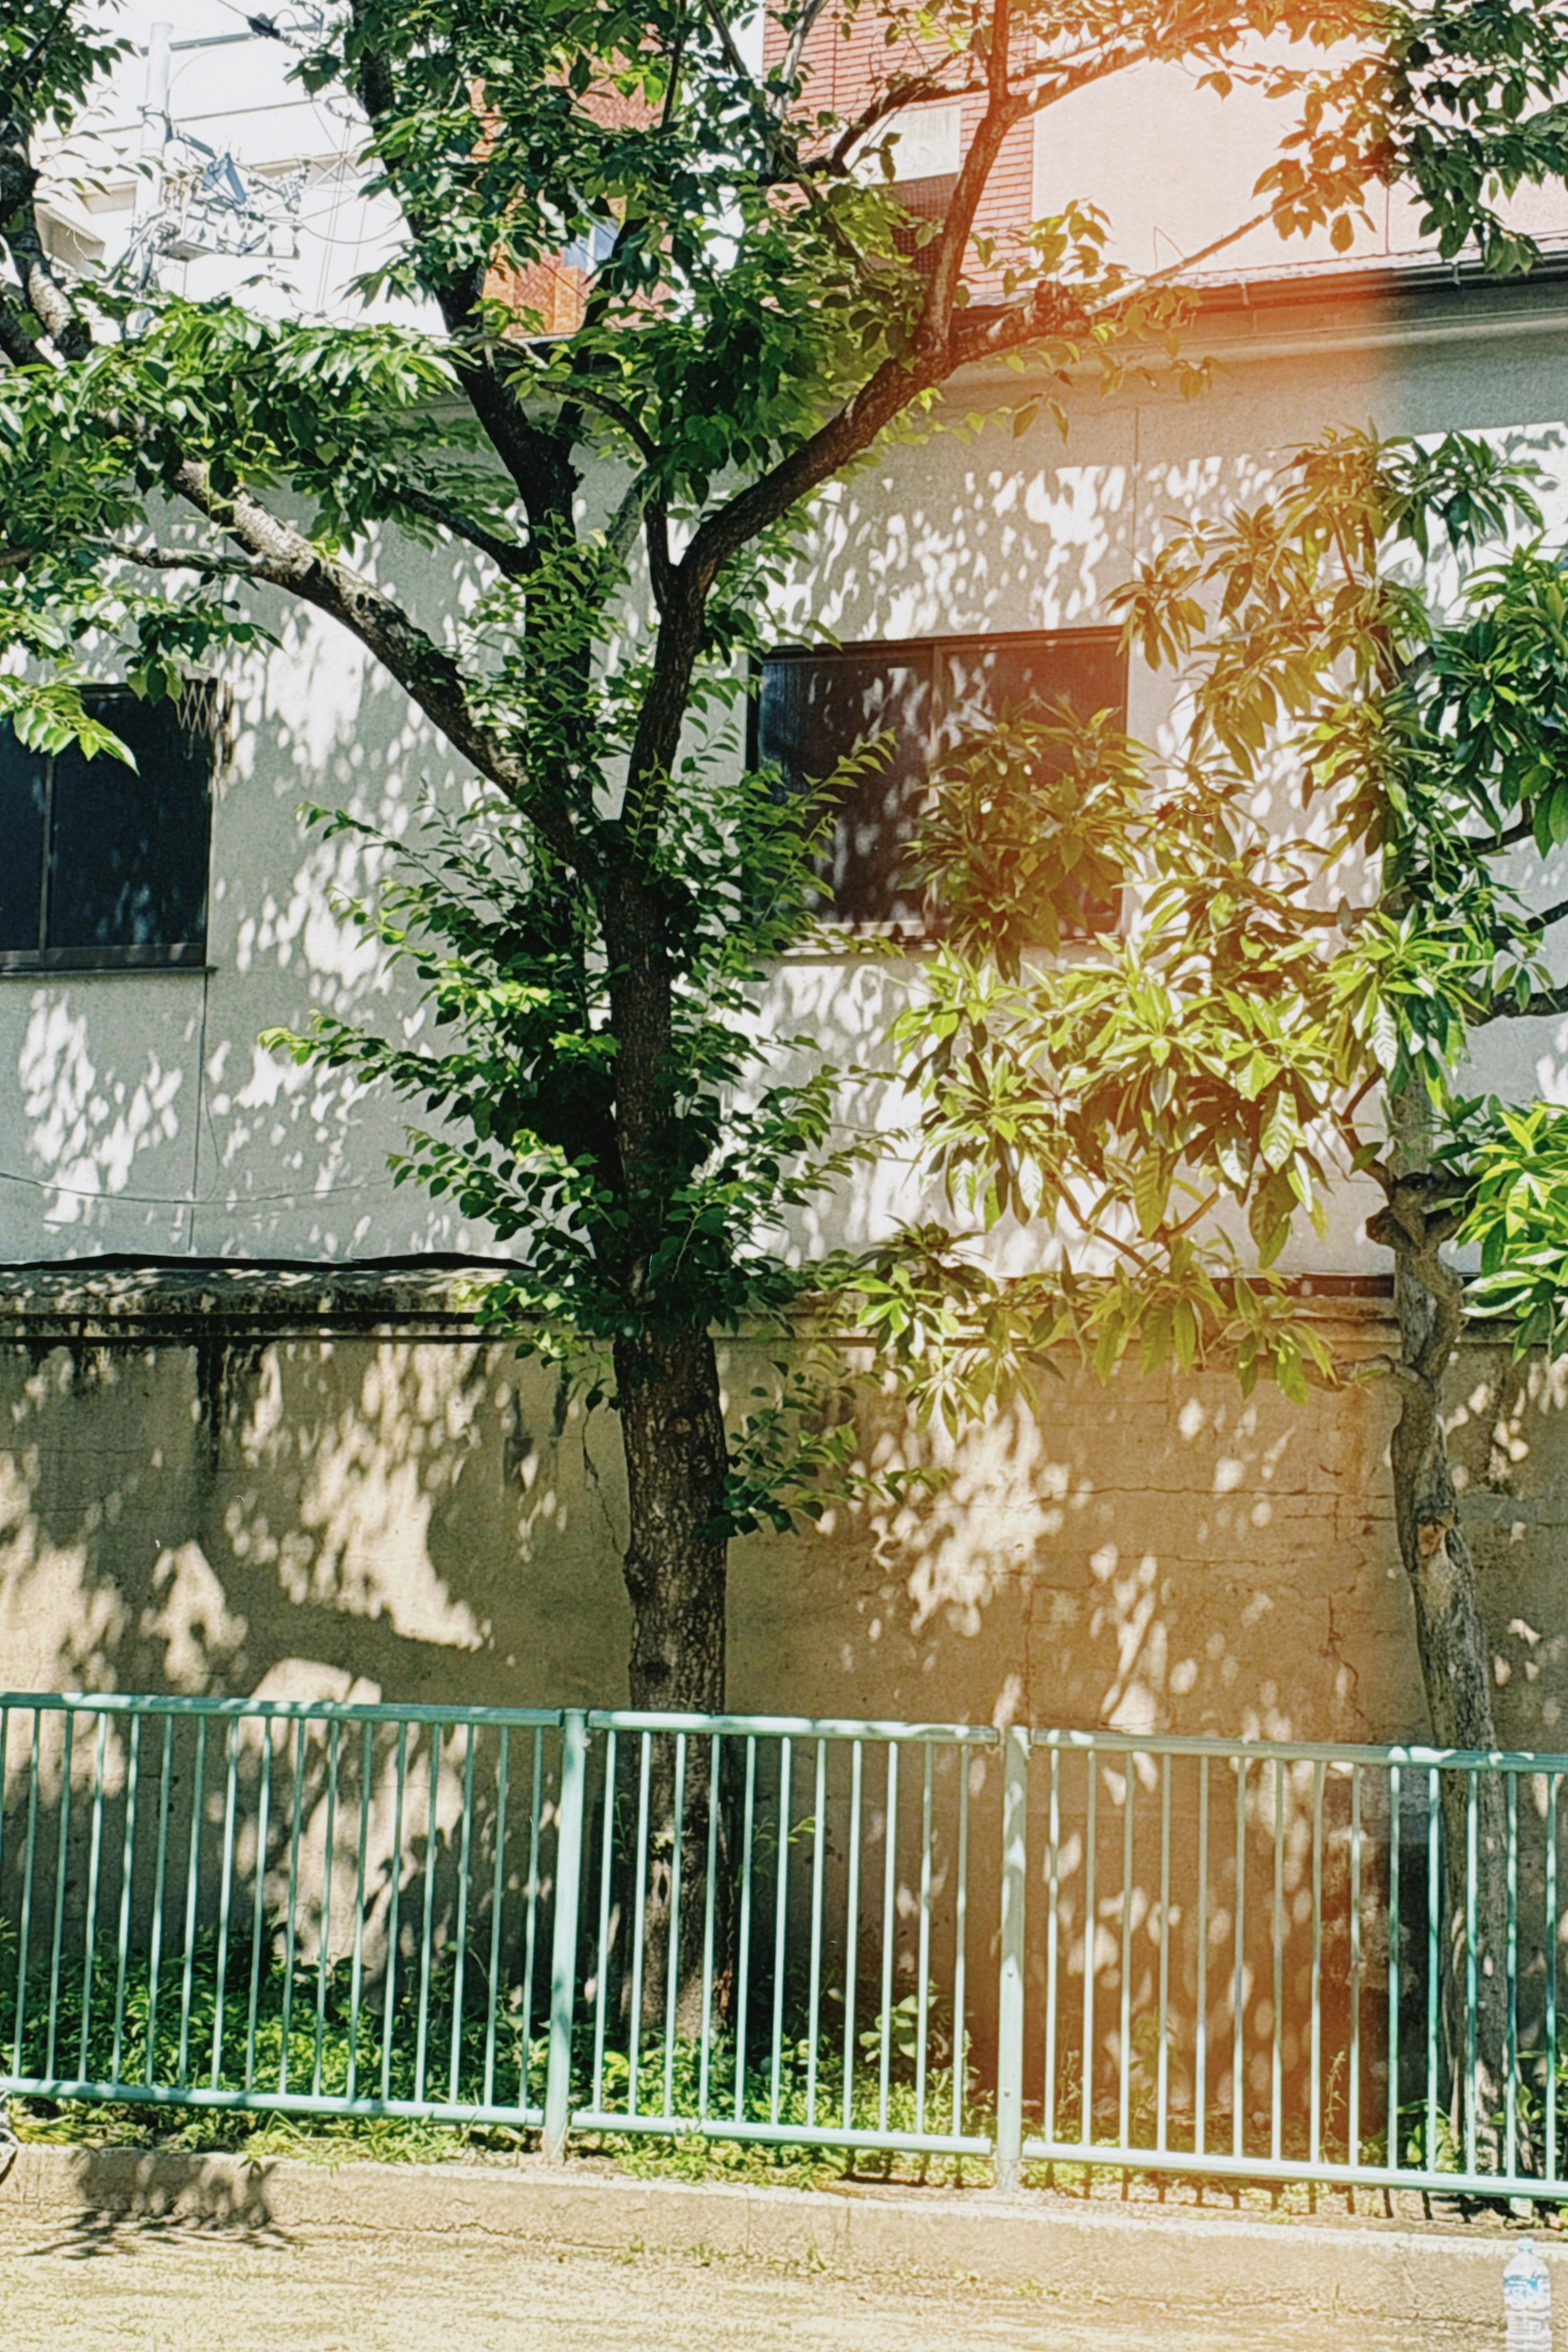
(1451, 1643)
(673, 1432)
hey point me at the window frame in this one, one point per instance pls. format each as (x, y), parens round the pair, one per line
(179, 955)
(923, 932)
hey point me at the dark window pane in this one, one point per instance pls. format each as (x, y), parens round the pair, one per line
(815, 709)
(129, 856)
(1087, 670)
(22, 803)
(924, 200)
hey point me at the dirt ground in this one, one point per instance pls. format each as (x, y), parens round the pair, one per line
(172, 2289)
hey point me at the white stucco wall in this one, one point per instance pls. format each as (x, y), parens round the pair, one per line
(145, 1116)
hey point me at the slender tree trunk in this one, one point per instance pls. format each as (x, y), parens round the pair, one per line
(673, 1433)
(1451, 1639)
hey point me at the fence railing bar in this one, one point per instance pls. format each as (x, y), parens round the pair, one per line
(1435, 1852)
(1277, 1940)
(155, 1946)
(606, 1858)
(1091, 1935)
(1104, 2155)
(672, 1946)
(922, 1963)
(1471, 1968)
(460, 1941)
(1504, 1761)
(571, 1811)
(710, 1898)
(1353, 2103)
(1161, 2063)
(4, 1779)
(639, 1921)
(302, 1710)
(1315, 2085)
(1124, 2026)
(427, 1931)
(61, 1867)
(781, 1919)
(890, 1900)
(798, 1727)
(324, 1949)
(787, 2135)
(1010, 2002)
(127, 1869)
(531, 1921)
(357, 1965)
(498, 1905)
(814, 1989)
(1394, 1932)
(960, 1940)
(1239, 1977)
(225, 1891)
(1201, 2012)
(852, 1927)
(291, 1934)
(1053, 1925)
(292, 2103)
(89, 1915)
(258, 1908)
(1511, 2090)
(743, 1975)
(1550, 1936)
(24, 1941)
(393, 1911)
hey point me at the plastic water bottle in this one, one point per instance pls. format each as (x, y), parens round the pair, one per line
(1527, 2302)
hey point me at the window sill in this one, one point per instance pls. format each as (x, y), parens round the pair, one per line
(31, 963)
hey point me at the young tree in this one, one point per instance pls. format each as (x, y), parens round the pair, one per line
(758, 323)
(1172, 1107)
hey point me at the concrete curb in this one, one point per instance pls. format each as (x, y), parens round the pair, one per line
(1077, 2255)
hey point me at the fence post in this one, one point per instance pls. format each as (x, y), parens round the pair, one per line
(1010, 2000)
(563, 1950)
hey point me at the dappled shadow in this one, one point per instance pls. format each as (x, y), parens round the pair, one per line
(131, 2198)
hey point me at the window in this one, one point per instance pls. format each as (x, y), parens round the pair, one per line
(923, 200)
(101, 865)
(813, 706)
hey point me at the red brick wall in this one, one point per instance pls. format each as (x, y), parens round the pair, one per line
(849, 61)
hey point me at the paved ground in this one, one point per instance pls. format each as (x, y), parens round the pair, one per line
(175, 2289)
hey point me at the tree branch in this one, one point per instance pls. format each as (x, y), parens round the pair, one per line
(283, 558)
(516, 561)
(210, 564)
(543, 472)
(1537, 1006)
(44, 296)
(16, 342)
(1003, 108)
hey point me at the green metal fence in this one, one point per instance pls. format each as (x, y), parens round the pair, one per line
(1260, 1960)
(319, 1909)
